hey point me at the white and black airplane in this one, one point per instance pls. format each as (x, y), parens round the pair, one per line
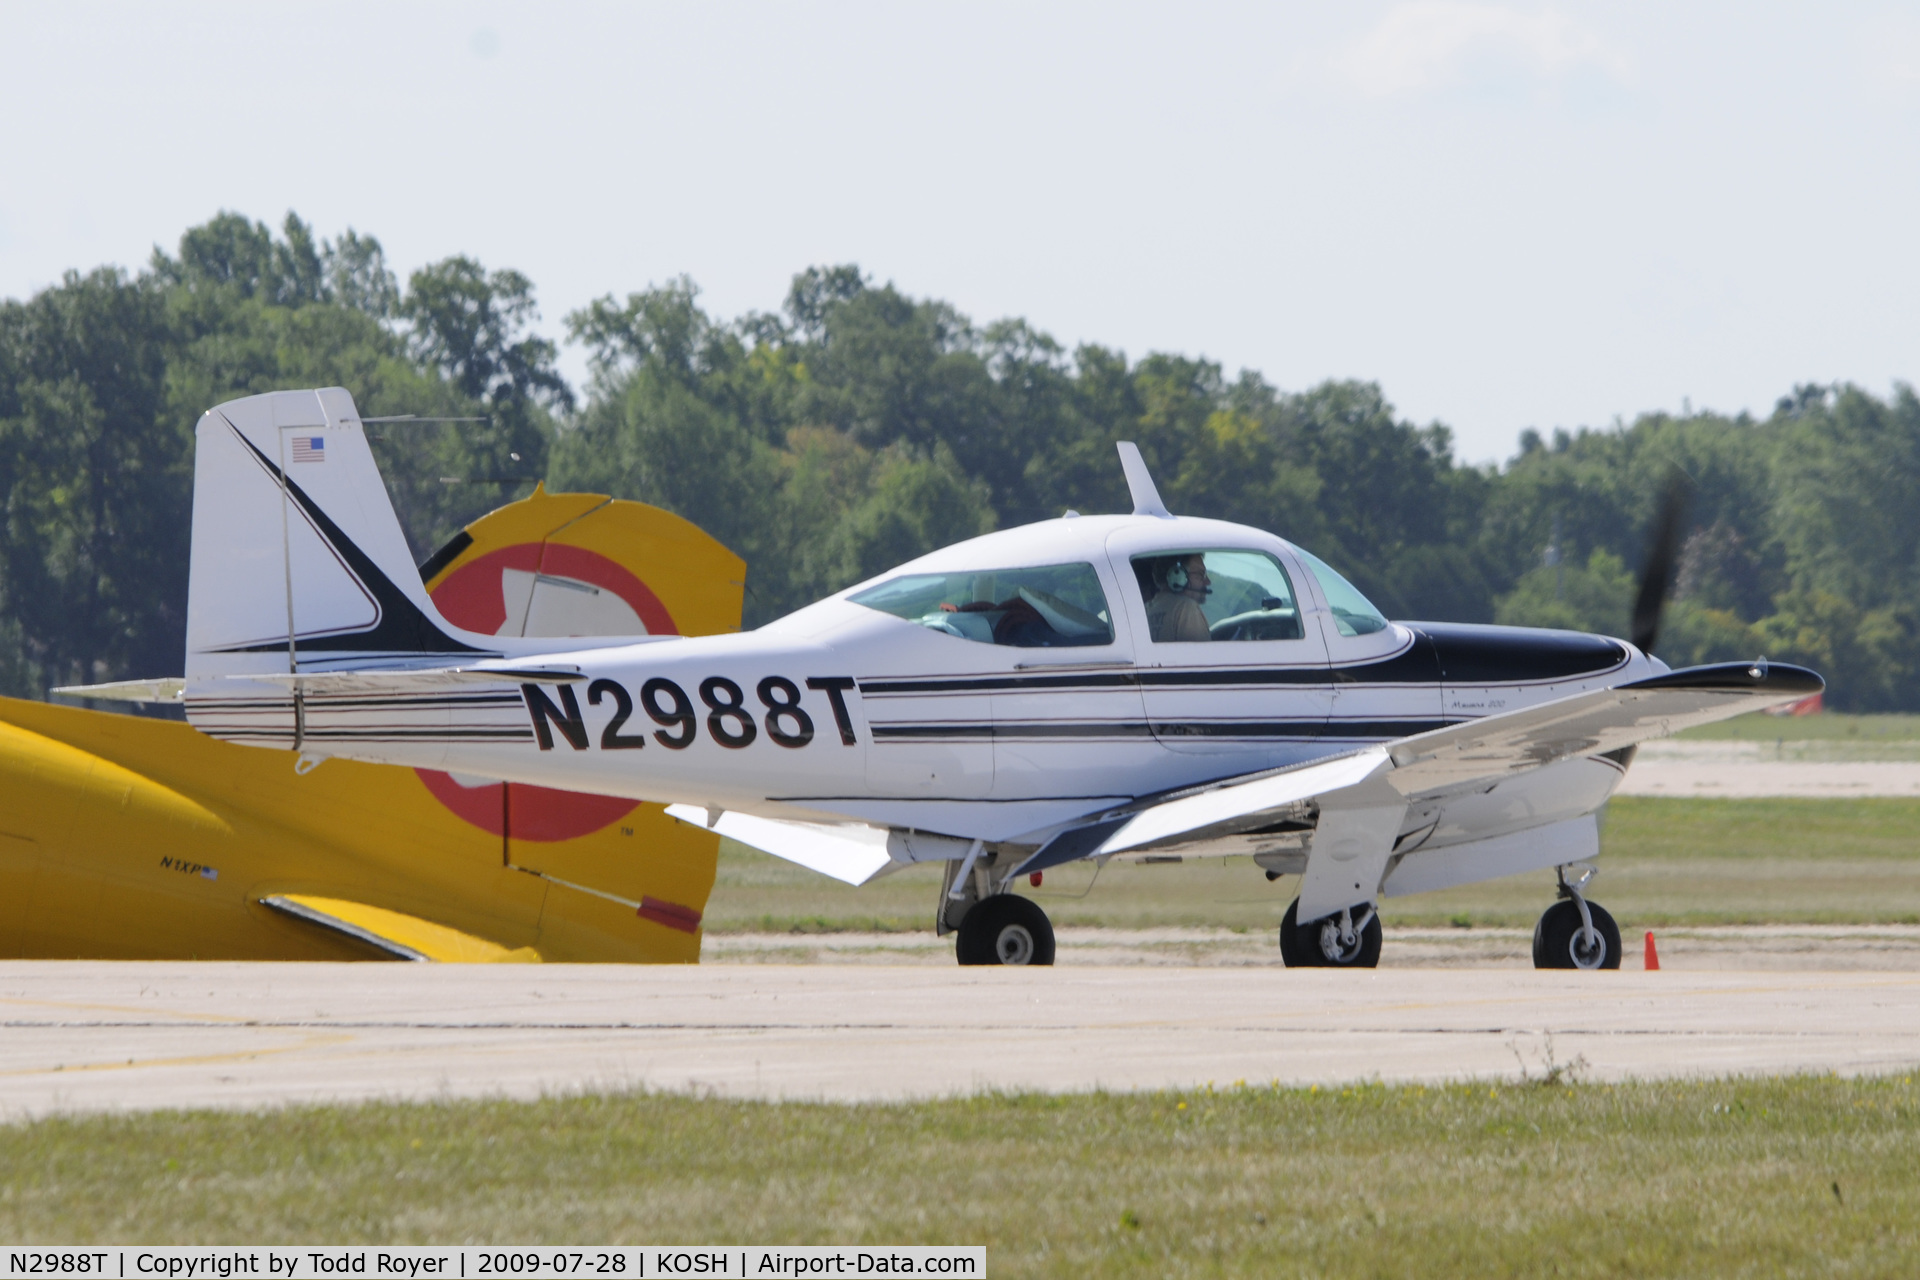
(1145, 686)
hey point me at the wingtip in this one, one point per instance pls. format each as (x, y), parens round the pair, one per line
(1758, 677)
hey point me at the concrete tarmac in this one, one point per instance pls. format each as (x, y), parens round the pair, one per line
(1740, 948)
(93, 1036)
(1831, 769)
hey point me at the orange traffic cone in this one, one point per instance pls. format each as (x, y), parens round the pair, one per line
(1653, 957)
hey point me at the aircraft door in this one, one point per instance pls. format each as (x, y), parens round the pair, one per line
(1068, 718)
(1227, 662)
(1008, 666)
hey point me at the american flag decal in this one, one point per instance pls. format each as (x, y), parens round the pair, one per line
(309, 449)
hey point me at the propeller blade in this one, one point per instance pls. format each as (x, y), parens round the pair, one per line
(1663, 555)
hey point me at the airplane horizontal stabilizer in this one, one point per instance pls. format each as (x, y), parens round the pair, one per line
(400, 936)
(852, 852)
(165, 689)
(430, 680)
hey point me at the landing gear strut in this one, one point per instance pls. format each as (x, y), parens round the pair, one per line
(1574, 933)
(1350, 940)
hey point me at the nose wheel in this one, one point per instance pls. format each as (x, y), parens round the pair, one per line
(1574, 933)
(1350, 940)
(1004, 929)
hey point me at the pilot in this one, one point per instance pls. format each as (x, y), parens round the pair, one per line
(1180, 585)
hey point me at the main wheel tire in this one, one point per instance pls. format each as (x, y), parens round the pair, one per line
(1004, 929)
(1317, 945)
(1557, 943)
(1293, 940)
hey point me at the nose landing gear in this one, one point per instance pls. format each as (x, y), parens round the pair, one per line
(1350, 940)
(1574, 933)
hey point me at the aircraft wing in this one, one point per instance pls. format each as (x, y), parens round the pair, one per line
(1474, 754)
(1485, 750)
(1363, 797)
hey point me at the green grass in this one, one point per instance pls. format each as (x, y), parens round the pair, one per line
(1684, 861)
(1702, 1178)
(1664, 862)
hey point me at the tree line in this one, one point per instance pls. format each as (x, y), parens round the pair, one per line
(860, 426)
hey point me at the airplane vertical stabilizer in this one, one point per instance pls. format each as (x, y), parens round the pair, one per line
(298, 560)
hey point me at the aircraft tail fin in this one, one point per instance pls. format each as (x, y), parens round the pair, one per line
(298, 561)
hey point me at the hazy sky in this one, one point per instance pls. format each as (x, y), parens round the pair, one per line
(1509, 215)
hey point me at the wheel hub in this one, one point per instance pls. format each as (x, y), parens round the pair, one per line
(1342, 938)
(1014, 945)
(1588, 949)
(1337, 944)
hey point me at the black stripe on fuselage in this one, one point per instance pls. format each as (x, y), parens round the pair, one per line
(314, 733)
(991, 684)
(1441, 653)
(348, 702)
(1081, 730)
(871, 799)
(966, 732)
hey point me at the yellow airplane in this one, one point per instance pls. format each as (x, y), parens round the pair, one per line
(132, 838)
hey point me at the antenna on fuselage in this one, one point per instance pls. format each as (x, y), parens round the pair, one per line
(1146, 498)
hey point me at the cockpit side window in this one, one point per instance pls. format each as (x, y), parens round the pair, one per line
(1353, 613)
(1208, 595)
(1057, 606)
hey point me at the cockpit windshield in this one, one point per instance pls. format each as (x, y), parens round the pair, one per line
(1353, 613)
(1057, 606)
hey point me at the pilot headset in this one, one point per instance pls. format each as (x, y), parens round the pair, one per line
(1177, 576)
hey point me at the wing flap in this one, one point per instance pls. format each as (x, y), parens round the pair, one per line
(1220, 809)
(851, 852)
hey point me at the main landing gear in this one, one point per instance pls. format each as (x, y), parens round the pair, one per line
(1004, 929)
(994, 926)
(1350, 940)
(1575, 933)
